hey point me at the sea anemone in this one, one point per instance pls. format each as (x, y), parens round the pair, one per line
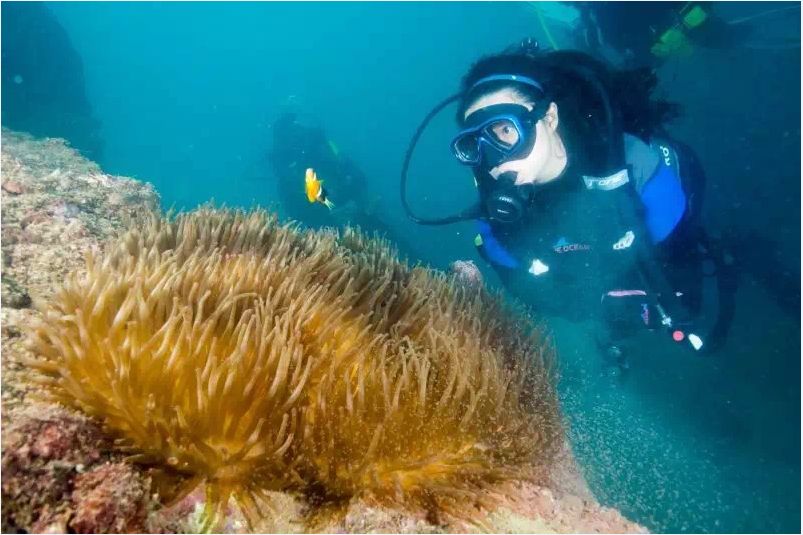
(222, 348)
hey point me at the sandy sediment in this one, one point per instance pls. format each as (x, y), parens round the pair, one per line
(60, 470)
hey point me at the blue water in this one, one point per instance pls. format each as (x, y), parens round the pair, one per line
(184, 95)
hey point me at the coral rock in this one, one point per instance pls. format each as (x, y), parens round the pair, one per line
(14, 295)
(41, 449)
(11, 235)
(364, 518)
(112, 498)
(13, 187)
(34, 217)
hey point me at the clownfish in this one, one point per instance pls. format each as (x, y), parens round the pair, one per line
(314, 189)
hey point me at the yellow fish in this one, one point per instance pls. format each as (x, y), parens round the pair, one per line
(314, 189)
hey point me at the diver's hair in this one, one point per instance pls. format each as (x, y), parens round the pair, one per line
(583, 124)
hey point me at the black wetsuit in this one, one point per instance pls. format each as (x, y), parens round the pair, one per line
(611, 249)
(296, 147)
(625, 32)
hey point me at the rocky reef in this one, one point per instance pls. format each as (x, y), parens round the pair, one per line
(65, 471)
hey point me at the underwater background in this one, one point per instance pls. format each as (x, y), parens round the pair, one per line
(183, 95)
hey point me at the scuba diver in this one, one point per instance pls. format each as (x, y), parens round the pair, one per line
(299, 148)
(587, 208)
(645, 34)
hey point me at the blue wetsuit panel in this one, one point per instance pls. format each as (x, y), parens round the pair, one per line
(665, 203)
(495, 251)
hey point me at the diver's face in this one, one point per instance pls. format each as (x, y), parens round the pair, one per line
(547, 160)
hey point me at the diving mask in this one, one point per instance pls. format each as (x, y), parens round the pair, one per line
(493, 135)
(496, 134)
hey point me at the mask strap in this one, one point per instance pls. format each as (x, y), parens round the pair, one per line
(515, 78)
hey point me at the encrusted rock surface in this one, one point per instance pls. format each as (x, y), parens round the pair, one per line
(43, 448)
(112, 498)
(60, 472)
(56, 206)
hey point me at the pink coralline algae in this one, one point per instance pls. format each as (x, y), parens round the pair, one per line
(112, 498)
(13, 187)
(42, 451)
(50, 484)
